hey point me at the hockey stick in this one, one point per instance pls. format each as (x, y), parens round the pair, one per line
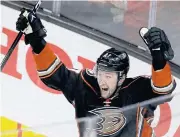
(18, 37)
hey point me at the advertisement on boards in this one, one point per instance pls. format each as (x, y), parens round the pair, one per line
(27, 104)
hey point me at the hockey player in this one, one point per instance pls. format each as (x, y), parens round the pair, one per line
(106, 90)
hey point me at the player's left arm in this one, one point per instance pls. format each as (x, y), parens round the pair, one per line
(162, 81)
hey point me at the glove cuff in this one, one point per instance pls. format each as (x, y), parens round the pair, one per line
(37, 45)
(158, 60)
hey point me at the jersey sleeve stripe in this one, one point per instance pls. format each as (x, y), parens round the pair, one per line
(48, 75)
(149, 120)
(164, 90)
(45, 59)
(162, 78)
(143, 127)
(147, 130)
(50, 69)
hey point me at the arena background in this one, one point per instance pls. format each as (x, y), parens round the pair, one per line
(80, 30)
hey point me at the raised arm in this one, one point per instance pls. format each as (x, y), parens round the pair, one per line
(162, 81)
(50, 69)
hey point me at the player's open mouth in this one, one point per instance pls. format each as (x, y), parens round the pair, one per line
(104, 89)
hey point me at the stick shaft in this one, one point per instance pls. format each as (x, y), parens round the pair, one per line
(15, 42)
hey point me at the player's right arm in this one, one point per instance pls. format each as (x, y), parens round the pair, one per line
(50, 69)
(54, 73)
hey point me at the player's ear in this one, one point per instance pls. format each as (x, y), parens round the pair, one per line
(121, 80)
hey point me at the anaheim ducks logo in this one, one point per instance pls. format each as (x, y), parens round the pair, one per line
(110, 120)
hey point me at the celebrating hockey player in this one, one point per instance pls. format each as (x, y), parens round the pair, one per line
(105, 90)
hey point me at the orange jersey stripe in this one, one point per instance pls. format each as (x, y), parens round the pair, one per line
(147, 130)
(162, 77)
(45, 58)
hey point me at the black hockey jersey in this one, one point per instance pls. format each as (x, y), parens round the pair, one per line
(82, 90)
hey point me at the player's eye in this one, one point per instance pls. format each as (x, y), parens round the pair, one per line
(108, 77)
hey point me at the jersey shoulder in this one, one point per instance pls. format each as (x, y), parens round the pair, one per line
(90, 80)
(88, 76)
(135, 80)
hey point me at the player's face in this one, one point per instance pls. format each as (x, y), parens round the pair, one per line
(107, 82)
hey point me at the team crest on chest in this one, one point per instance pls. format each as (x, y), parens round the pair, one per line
(109, 121)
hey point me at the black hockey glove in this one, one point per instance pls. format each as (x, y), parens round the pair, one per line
(30, 24)
(159, 46)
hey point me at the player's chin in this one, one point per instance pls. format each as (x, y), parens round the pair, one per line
(105, 94)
